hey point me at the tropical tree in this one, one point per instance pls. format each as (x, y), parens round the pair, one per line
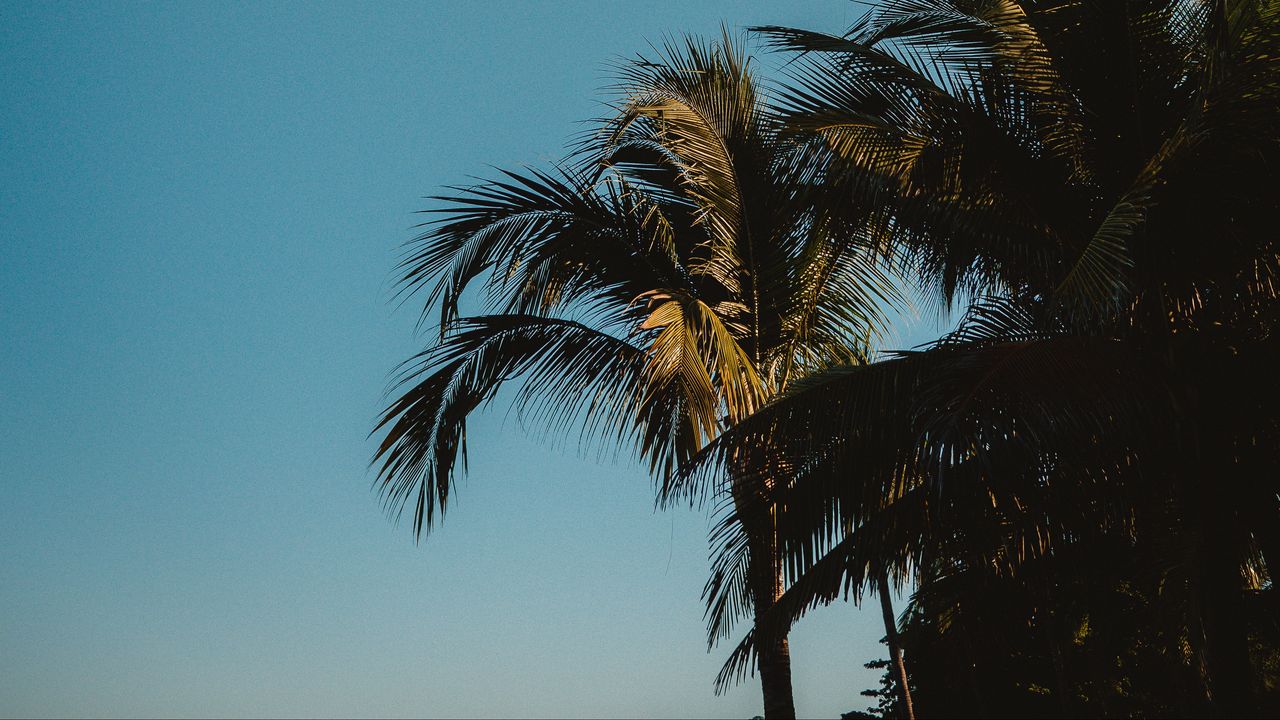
(1104, 175)
(659, 286)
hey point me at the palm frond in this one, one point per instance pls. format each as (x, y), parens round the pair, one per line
(578, 370)
(543, 240)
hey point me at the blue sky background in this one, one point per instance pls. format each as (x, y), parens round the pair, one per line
(200, 209)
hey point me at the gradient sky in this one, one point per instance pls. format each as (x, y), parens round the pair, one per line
(200, 209)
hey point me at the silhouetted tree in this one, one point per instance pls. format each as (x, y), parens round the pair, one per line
(1103, 176)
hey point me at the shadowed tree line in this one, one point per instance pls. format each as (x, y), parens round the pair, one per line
(1080, 483)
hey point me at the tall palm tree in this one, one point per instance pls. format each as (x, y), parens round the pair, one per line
(1106, 173)
(658, 287)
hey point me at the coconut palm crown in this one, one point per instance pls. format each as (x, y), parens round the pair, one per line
(658, 286)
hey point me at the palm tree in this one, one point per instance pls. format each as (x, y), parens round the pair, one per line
(1105, 173)
(895, 648)
(658, 287)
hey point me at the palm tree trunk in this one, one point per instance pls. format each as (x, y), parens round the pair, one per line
(775, 680)
(774, 656)
(765, 581)
(895, 652)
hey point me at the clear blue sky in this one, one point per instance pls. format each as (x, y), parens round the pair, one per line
(200, 209)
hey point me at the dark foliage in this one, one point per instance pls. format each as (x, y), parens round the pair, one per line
(1104, 175)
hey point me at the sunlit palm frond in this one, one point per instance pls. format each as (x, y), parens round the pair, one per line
(539, 240)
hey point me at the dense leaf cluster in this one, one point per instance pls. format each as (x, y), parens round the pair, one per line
(1081, 482)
